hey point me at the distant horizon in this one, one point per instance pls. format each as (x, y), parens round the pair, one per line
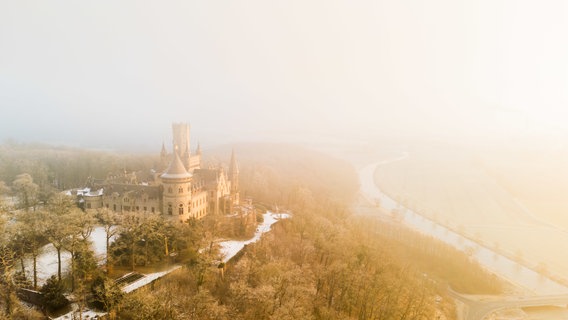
(97, 74)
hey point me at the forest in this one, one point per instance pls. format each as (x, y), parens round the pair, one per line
(326, 262)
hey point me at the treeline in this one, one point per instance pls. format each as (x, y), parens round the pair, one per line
(323, 263)
(286, 174)
(59, 168)
(437, 260)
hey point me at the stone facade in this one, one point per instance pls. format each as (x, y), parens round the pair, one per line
(180, 187)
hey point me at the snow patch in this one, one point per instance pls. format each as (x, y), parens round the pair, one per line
(230, 248)
(147, 279)
(47, 261)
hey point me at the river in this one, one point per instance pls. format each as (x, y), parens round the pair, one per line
(493, 261)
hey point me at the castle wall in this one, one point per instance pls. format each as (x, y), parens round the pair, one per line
(93, 202)
(194, 163)
(199, 204)
(175, 193)
(130, 203)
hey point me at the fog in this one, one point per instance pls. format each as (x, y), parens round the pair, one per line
(452, 113)
(110, 74)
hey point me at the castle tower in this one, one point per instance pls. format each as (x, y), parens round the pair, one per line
(234, 178)
(181, 142)
(177, 190)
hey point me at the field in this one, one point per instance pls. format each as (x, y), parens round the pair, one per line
(477, 196)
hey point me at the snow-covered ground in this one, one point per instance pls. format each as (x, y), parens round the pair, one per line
(231, 247)
(86, 314)
(47, 260)
(147, 279)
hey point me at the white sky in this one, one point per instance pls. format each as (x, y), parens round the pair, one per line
(95, 73)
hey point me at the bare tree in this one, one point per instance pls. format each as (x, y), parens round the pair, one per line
(32, 226)
(80, 226)
(26, 190)
(109, 220)
(57, 230)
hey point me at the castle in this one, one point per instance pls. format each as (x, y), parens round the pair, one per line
(179, 188)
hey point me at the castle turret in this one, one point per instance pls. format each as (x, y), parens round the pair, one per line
(177, 190)
(234, 179)
(181, 141)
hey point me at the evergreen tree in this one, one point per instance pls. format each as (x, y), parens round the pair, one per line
(53, 297)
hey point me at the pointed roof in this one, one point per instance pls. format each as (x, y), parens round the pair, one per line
(176, 170)
(198, 151)
(233, 169)
(163, 152)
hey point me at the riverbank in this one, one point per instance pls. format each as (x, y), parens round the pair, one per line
(454, 191)
(493, 261)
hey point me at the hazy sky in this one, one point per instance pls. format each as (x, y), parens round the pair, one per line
(106, 73)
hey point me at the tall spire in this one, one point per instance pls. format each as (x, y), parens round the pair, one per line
(234, 178)
(234, 168)
(163, 153)
(163, 157)
(198, 151)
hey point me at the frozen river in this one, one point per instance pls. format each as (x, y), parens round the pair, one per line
(491, 260)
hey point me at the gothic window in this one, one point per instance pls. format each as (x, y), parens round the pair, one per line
(180, 190)
(170, 209)
(180, 210)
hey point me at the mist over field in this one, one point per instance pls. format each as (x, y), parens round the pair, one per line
(447, 114)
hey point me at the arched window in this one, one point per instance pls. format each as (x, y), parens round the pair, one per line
(180, 190)
(170, 209)
(170, 190)
(180, 210)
